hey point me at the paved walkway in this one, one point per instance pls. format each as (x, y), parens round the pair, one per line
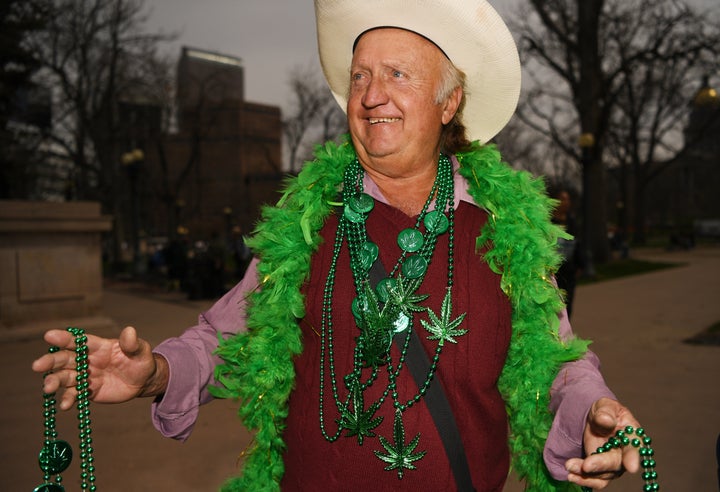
(638, 325)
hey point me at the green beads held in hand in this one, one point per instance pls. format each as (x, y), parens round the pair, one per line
(642, 442)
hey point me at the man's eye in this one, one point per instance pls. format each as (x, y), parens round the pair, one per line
(397, 74)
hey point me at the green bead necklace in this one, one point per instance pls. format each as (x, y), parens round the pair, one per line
(381, 312)
(642, 442)
(56, 454)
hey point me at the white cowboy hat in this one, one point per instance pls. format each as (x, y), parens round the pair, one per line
(470, 32)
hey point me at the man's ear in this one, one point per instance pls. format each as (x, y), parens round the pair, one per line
(451, 105)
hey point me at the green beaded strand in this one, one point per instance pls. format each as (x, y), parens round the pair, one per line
(56, 455)
(642, 442)
(417, 250)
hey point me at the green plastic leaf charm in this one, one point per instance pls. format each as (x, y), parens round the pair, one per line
(361, 203)
(442, 328)
(376, 329)
(414, 266)
(410, 240)
(359, 422)
(49, 487)
(436, 222)
(55, 457)
(383, 288)
(353, 216)
(399, 455)
(368, 254)
(403, 295)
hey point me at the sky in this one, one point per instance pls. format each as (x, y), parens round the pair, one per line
(270, 36)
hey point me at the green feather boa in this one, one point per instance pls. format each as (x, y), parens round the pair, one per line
(258, 365)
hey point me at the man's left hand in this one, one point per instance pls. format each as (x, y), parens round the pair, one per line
(596, 470)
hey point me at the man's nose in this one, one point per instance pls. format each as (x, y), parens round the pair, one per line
(376, 93)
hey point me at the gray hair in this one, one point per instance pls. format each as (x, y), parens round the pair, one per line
(451, 77)
(454, 137)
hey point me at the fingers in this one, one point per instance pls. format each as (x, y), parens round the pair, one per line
(60, 338)
(64, 358)
(631, 459)
(604, 466)
(605, 418)
(595, 471)
(62, 379)
(68, 398)
(59, 368)
(55, 361)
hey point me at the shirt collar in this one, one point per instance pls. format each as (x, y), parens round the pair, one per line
(461, 192)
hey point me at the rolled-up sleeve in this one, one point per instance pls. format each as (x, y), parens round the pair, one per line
(576, 387)
(191, 360)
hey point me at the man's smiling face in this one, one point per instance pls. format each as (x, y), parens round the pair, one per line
(392, 108)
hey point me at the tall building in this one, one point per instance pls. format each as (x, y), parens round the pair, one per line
(224, 160)
(687, 192)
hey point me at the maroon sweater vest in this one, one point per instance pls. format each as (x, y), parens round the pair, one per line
(469, 371)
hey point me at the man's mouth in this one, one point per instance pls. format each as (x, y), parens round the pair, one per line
(374, 121)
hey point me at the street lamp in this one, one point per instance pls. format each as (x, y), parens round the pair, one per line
(228, 213)
(132, 162)
(586, 141)
(177, 215)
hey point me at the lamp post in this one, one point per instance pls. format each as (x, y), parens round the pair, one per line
(132, 162)
(228, 213)
(586, 141)
(177, 216)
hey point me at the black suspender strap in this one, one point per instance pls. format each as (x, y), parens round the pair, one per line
(435, 399)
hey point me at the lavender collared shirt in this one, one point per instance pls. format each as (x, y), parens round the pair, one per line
(191, 363)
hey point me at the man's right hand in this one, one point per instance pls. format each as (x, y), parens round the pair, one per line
(119, 369)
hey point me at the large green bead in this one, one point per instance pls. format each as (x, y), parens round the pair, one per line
(55, 457)
(410, 240)
(361, 203)
(353, 216)
(436, 222)
(384, 287)
(49, 487)
(414, 267)
(401, 323)
(368, 254)
(359, 307)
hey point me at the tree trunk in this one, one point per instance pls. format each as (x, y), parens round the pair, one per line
(588, 89)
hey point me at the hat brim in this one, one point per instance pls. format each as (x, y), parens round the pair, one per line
(471, 33)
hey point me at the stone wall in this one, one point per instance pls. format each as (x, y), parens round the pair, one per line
(50, 266)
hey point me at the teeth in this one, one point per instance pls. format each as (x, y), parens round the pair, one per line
(383, 120)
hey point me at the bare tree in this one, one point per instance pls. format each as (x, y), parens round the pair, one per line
(314, 111)
(592, 47)
(20, 115)
(524, 149)
(646, 133)
(90, 52)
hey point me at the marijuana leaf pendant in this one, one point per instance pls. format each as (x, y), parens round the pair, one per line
(404, 296)
(359, 422)
(376, 327)
(442, 328)
(400, 455)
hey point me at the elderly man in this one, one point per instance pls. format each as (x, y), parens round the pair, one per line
(406, 242)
